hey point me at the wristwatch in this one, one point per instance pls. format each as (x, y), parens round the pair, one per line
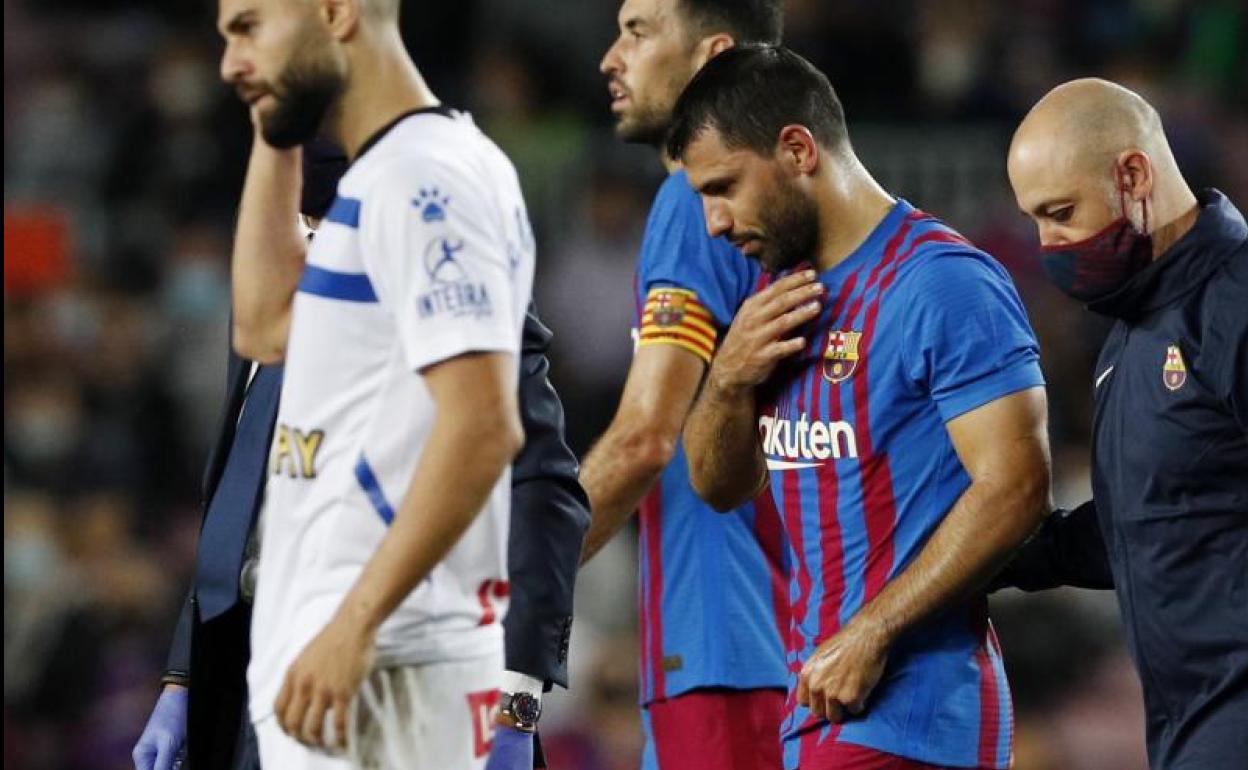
(523, 707)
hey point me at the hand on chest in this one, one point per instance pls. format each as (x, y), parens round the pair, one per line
(837, 400)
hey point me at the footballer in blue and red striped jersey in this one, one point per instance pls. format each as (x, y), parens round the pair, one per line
(899, 407)
(713, 602)
(920, 327)
(712, 586)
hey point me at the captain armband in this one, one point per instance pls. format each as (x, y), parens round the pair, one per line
(674, 316)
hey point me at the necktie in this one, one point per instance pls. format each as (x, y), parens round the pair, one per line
(231, 512)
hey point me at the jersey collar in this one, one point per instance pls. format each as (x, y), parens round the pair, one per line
(379, 134)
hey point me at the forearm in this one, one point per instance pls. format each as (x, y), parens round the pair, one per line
(443, 499)
(548, 522)
(549, 518)
(617, 474)
(973, 541)
(726, 464)
(1068, 550)
(641, 440)
(178, 664)
(269, 252)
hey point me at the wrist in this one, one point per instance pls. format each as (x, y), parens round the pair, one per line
(514, 682)
(287, 157)
(503, 719)
(721, 386)
(876, 627)
(173, 698)
(520, 702)
(361, 616)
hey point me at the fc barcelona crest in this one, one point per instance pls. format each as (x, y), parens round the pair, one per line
(841, 357)
(669, 308)
(1174, 373)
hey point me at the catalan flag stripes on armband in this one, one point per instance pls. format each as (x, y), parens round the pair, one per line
(675, 317)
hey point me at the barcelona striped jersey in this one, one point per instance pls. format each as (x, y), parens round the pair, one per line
(919, 328)
(712, 585)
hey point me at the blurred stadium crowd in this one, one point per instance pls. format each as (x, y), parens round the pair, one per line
(123, 162)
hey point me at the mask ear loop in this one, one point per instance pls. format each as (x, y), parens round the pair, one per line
(1119, 181)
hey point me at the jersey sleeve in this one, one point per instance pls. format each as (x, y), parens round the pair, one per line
(972, 343)
(439, 261)
(689, 285)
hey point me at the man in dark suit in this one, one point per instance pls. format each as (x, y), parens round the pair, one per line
(208, 724)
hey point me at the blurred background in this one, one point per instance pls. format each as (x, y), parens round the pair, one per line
(123, 159)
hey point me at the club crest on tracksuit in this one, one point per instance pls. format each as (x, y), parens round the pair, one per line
(840, 359)
(1174, 373)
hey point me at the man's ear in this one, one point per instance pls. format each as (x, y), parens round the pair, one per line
(341, 17)
(710, 47)
(1133, 172)
(797, 150)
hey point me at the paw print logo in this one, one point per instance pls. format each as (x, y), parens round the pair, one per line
(432, 204)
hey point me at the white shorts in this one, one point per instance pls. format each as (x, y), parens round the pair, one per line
(435, 715)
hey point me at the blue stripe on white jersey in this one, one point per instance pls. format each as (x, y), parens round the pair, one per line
(344, 211)
(372, 487)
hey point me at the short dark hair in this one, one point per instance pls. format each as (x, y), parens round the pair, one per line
(748, 21)
(748, 93)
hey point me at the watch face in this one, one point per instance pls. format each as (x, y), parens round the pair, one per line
(525, 707)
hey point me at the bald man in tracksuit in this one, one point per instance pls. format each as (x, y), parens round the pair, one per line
(1168, 523)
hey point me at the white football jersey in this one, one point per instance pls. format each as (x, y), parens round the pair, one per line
(426, 254)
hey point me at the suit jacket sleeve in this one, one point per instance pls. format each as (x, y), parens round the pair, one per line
(550, 514)
(1069, 550)
(178, 666)
(238, 370)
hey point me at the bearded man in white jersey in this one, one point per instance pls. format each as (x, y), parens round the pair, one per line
(376, 638)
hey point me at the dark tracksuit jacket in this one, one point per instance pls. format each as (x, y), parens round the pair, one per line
(1168, 525)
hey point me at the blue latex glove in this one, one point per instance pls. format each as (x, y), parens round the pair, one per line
(513, 750)
(162, 739)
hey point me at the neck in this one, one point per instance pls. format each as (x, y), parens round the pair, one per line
(669, 164)
(1182, 217)
(851, 204)
(384, 84)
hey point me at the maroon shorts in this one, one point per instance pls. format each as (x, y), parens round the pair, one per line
(832, 755)
(714, 729)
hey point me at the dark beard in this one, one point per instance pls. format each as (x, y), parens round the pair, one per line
(792, 227)
(307, 91)
(649, 124)
(647, 128)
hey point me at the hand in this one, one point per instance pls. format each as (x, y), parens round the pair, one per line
(512, 749)
(842, 672)
(325, 677)
(757, 340)
(165, 733)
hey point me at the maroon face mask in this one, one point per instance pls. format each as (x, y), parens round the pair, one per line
(1098, 266)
